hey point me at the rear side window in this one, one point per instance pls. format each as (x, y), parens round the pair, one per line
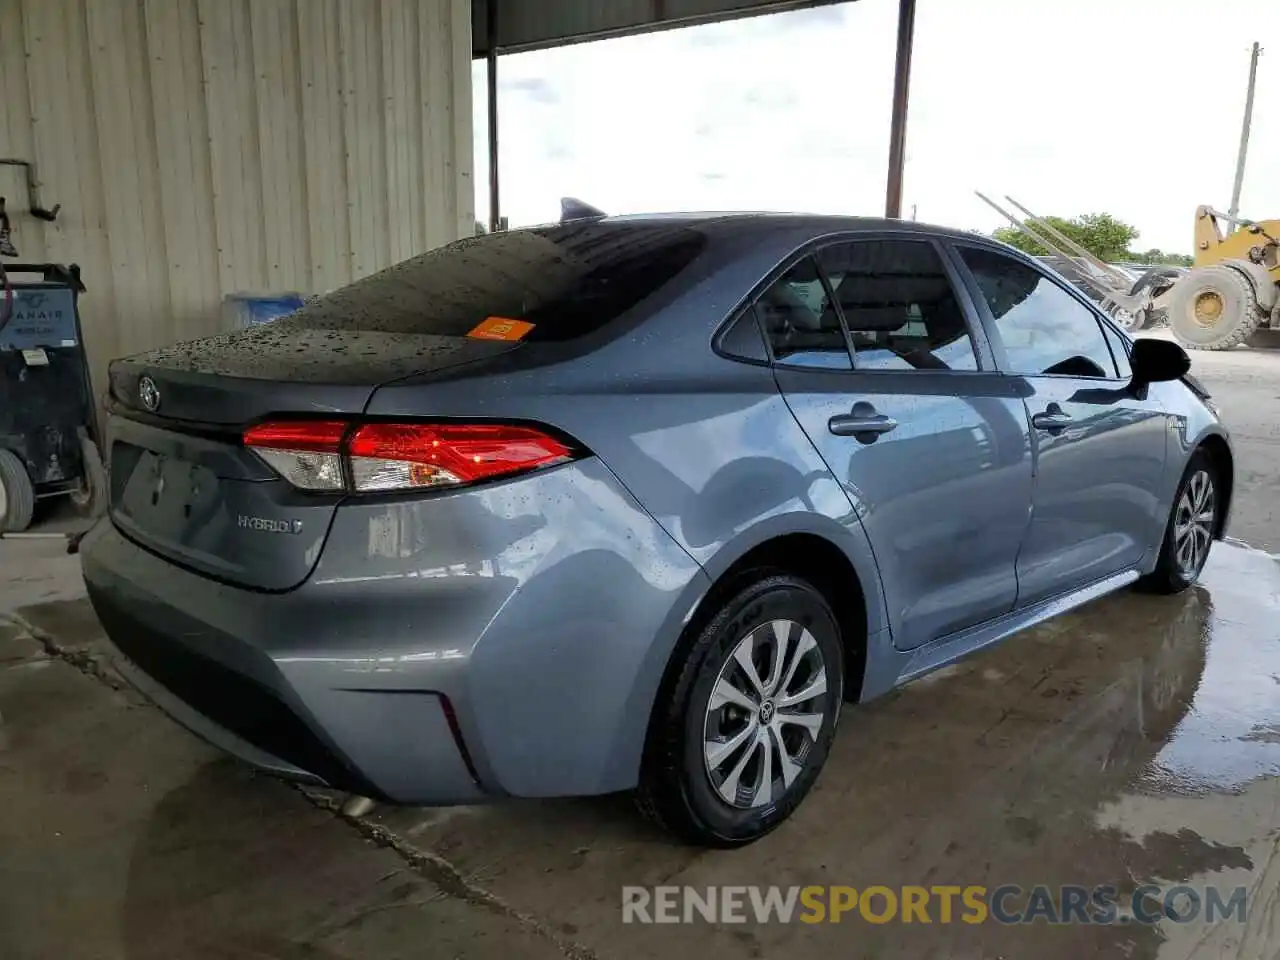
(742, 339)
(899, 306)
(800, 321)
(567, 280)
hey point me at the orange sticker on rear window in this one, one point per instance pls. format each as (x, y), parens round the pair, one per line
(500, 328)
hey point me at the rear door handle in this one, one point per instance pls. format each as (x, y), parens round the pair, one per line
(1052, 419)
(861, 421)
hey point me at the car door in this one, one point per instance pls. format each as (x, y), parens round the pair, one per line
(1099, 447)
(894, 385)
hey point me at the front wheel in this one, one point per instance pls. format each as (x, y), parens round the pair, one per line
(740, 733)
(1191, 529)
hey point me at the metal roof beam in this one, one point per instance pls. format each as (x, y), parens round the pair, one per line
(521, 25)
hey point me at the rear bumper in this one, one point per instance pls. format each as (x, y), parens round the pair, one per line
(504, 641)
(228, 690)
(211, 732)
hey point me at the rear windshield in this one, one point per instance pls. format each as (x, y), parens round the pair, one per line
(566, 280)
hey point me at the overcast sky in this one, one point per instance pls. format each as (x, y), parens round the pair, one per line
(1131, 107)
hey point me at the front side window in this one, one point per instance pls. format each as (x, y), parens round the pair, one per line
(1120, 351)
(899, 306)
(1044, 329)
(800, 322)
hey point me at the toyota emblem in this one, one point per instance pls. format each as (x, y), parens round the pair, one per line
(149, 394)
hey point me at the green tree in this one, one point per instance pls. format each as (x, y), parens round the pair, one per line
(1157, 257)
(1100, 233)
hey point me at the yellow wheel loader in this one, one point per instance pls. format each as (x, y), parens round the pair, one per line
(1232, 294)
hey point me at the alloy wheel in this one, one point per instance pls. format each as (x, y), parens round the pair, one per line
(1128, 320)
(1193, 524)
(765, 713)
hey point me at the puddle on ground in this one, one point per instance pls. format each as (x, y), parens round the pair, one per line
(1229, 734)
(1204, 672)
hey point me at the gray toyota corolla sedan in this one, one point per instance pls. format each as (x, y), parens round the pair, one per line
(633, 503)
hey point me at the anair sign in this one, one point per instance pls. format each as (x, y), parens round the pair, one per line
(42, 317)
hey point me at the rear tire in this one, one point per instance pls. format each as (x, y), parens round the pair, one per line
(728, 759)
(1181, 559)
(17, 494)
(1214, 308)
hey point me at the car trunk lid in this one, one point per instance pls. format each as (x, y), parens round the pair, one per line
(236, 378)
(183, 484)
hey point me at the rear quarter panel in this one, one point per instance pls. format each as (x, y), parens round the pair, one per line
(533, 605)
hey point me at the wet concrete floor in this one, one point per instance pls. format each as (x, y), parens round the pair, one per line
(1136, 740)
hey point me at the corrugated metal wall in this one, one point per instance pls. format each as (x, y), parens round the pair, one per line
(200, 147)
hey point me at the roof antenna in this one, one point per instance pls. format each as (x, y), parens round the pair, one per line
(571, 208)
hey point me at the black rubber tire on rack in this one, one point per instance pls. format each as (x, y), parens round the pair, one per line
(90, 500)
(676, 788)
(1169, 576)
(18, 491)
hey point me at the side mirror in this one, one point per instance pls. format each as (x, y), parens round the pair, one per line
(1155, 361)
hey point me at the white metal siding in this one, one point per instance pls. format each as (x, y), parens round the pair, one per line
(200, 147)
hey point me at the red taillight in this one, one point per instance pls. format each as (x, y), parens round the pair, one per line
(392, 456)
(318, 436)
(400, 456)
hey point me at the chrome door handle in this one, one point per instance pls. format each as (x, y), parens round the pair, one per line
(1052, 419)
(852, 424)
